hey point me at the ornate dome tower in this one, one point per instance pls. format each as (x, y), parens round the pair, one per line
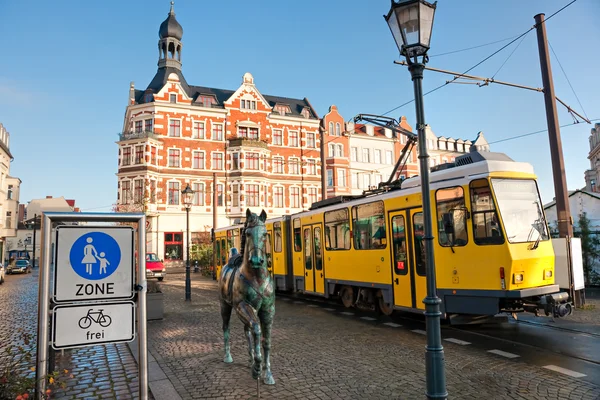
(169, 43)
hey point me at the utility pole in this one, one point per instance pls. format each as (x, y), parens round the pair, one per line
(215, 199)
(563, 212)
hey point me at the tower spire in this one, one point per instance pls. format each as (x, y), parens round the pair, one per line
(169, 43)
(172, 12)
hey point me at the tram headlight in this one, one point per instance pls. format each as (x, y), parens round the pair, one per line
(547, 274)
(518, 278)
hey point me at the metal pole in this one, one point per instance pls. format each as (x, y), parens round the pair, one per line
(43, 309)
(561, 192)
(188, 283)
(33, 250)
(215, 199)
(434, 356)
(141, 310)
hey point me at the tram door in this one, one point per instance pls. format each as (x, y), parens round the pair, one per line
(314, 278)
(269, 252)
(408, 258)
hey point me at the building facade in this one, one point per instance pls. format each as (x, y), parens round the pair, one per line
(360, 156)
(591, 175)
(9, 194)
(240, 147)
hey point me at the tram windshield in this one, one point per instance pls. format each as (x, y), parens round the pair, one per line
(520, 207)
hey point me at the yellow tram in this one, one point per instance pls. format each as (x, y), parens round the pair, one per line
(492, 247)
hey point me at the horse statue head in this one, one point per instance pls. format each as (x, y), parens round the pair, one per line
(255, 235)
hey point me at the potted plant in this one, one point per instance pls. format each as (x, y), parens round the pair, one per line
(154, 301)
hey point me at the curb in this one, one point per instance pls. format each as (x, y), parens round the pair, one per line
(158, 383)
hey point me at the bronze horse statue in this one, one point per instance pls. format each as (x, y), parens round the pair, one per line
(246, 286)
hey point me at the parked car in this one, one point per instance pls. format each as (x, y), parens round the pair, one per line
(1, 274)
(20, 266)
(155, 267)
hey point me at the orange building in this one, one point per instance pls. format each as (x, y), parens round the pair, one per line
(263, 151)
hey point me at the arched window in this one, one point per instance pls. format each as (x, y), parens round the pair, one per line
(338, 129)
(331, 128)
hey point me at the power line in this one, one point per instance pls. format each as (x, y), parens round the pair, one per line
(471, 48)
(563, 70)
(536, 132)
(510, 55)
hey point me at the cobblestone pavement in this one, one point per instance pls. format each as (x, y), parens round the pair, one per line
(321, 354)
(98, 372)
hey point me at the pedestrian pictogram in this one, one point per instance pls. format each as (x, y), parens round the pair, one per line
(95, 316)
(95, 256)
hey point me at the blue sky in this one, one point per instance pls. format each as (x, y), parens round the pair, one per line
(66, 68)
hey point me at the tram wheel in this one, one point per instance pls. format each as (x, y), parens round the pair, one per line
(347, 296)
(385, 308)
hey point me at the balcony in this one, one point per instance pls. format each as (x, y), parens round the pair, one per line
(138, 135)
(245, 142)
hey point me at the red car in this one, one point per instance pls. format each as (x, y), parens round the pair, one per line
(155, 267)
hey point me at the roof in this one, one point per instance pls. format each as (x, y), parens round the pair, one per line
(573, 192)
(222, 95)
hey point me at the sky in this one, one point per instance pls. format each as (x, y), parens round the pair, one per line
(67, 65)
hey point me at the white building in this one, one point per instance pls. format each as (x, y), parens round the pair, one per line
(9, 193)
(591, 175)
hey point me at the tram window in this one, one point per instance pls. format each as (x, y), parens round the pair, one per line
(318, 254)
(307, 249)
(230, 238)
(218, 246)
(223, 252)
(486, 229)
(337, 230)
(236, 239)
(399, 243)
(451, 202)
(368, 223)
(419, 243)
(297, 236)
(278, 239)
(268, 251)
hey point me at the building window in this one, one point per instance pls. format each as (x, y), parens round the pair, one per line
(366, 156)
(175, 128)
(174, 246)
(173, 98)
(235, 196)
(152, 191)
(248, 133)
(252, 195)
(278, 197)
(294, 166)
(198, 189)
(278, 165)
(217, 132)
(341, 178)
(198, 130)
(311, 167)
(125, 192)
(338, 129)
(206, 101)
(217, 161)
(330, 178)
(305, 112)
(388, 157)
(293, 139)
(339, 150)
(252, 161)
(220, 195)
(153, 158)
(138, 191)
(148, 97)
(310, 140)
(354, 154)
(235, 161)
(126, 156)
(282, 109)
(331, 132)
(312, 195)
(148, 125)
(10, 192)
(354, 179)
(174, 158)
(377, 156)
(139, 126)
(278, 137)
(139, 154)
(198, 160)
(295, 197)
(173, 199)
(248, 104)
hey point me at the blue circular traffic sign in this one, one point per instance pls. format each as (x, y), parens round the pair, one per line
(95, 255)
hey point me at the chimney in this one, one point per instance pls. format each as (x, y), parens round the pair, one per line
(48, 197)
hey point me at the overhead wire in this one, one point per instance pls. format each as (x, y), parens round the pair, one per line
(472, 48)
(510, 55)
(568, 81)
(536, 132)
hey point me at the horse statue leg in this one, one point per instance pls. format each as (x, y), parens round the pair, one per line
(226, 315)
(248, 333)
(266, 321)
(248, 316)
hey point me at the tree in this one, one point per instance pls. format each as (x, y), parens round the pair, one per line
(590, 247)
(130, 203)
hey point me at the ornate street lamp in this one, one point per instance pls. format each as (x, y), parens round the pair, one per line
(32, 225)
(188, 197)
(411, 22)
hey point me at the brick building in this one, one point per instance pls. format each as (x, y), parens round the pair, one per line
(263, 151)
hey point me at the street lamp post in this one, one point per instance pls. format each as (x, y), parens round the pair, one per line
(33, 249)
(188, 195)
(411, 23)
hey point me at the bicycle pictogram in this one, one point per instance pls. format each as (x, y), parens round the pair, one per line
(94, 316)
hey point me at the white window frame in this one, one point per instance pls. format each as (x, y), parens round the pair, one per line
(203, 166)
(169, 127)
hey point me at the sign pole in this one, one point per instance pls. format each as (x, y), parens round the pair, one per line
(43, 309)
(141, 310)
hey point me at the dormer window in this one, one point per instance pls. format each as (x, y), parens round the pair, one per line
(206, 101)
(173, 98)
(282, 109)
(248, 104)
(148, 97)
(306, 113)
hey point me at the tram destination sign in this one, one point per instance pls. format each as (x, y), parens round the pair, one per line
(93, 263)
